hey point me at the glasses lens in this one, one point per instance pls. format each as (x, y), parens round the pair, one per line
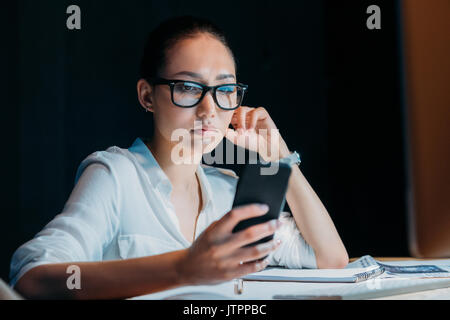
(229, 96)
(186, 93)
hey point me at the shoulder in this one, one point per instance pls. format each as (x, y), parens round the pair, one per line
(114, 159)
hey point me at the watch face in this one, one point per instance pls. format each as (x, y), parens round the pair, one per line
(297, 157)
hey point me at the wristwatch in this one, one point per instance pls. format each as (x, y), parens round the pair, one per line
(293, 158)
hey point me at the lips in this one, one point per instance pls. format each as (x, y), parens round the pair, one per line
(209, 129)
(205, 129)
(202, 131)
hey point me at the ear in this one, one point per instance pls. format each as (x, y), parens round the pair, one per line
(144, 91)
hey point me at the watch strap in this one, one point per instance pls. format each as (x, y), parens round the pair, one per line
(293, 158)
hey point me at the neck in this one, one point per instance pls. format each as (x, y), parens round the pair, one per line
(182, 176)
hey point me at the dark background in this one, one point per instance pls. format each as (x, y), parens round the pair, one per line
(331, 85)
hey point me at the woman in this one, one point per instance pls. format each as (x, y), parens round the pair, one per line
(145, 219)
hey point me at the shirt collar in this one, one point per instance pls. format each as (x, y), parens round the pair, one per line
(157, 176)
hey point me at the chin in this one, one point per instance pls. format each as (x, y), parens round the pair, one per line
(209, 145)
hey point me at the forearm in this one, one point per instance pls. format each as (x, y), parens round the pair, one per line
(313, 220)
(117, 279)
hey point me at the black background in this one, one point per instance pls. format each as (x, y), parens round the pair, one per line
(332, 86)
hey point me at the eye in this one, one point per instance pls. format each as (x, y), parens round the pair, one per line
(190, 87)
(226, 89)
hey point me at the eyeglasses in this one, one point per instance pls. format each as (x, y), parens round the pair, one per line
(187, 94)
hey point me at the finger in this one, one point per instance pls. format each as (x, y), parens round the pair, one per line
(253, 233)
(257, 114)
(234, 118)
(256, 252)
(237, 214)
(240, 118)
(251, 267)
(252, 118)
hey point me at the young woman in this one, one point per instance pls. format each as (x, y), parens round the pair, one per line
(139, 220)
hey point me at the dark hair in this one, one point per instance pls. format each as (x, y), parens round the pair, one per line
(167, 34)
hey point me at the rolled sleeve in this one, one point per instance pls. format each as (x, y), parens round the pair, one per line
(294, 252)
(87, 224)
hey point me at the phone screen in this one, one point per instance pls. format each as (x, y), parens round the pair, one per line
(256, 187)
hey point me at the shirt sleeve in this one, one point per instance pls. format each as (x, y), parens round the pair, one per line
(294, 252)
(85, 226)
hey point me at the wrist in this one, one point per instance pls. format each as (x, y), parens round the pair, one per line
(182, 275)
(284, 150)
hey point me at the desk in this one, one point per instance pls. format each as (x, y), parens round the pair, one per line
(255, 290)
(436, 294)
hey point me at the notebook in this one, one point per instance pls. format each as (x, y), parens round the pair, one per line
(408, 269)
(346, 275)
(362, 269)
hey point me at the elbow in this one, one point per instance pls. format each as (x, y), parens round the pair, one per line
(36, 284)
(27, 286)
(341, 262)
(332, 261)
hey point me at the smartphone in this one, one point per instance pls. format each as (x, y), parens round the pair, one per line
(255, 187)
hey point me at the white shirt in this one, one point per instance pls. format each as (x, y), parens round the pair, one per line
(120, 208)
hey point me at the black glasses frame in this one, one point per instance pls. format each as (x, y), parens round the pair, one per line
(205, 89)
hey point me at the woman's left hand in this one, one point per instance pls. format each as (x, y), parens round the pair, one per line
(255, 130)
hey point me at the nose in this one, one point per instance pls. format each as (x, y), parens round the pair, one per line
(207, 107)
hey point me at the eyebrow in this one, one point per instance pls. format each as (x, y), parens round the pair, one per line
(199, 76)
